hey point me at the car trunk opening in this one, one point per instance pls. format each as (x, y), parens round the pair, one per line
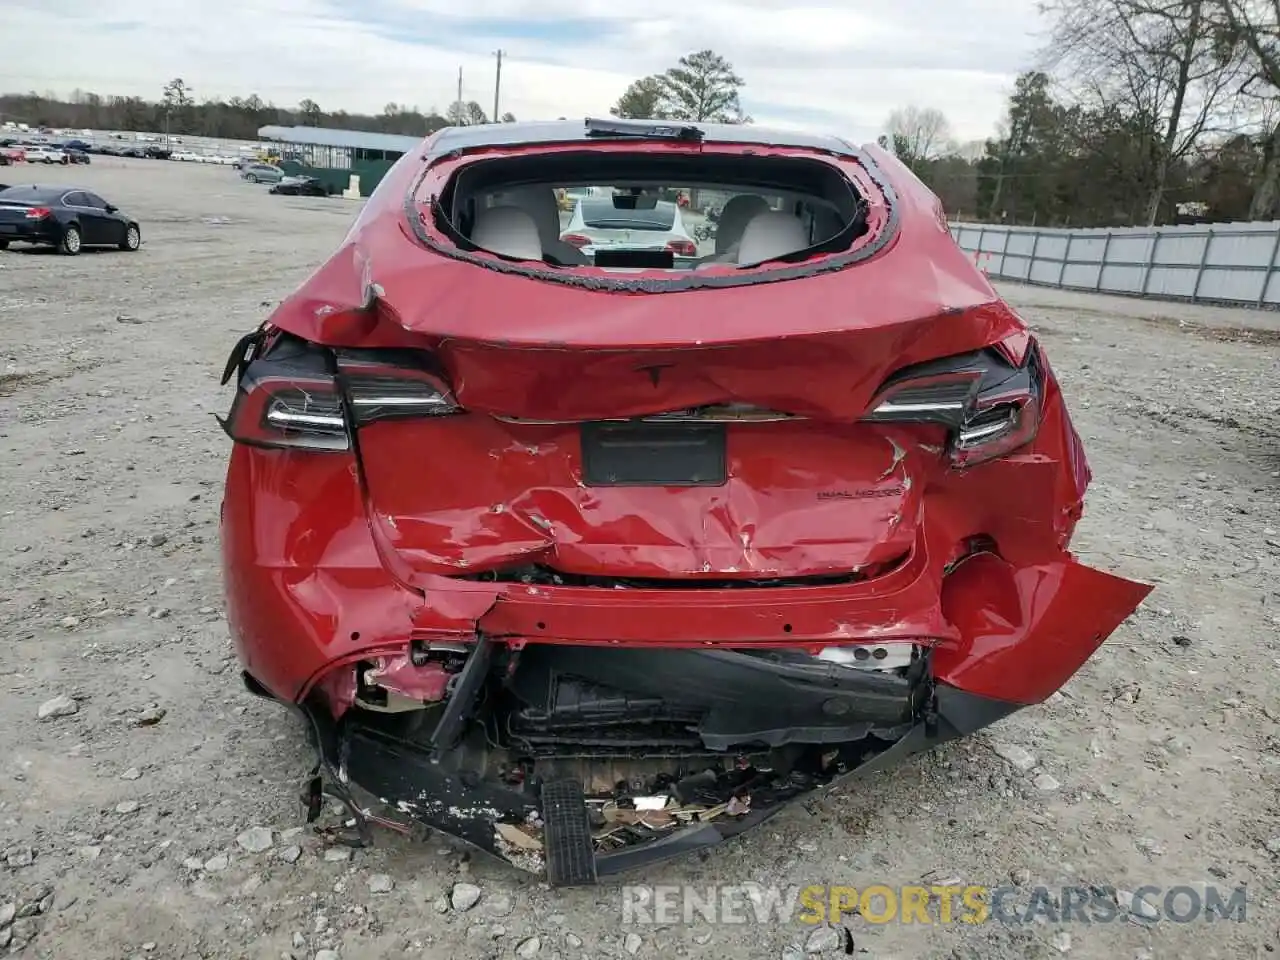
(613, 209)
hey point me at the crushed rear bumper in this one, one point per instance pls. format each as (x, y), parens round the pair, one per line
(388, 781)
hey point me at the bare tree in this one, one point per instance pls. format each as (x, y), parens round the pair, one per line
(1163, 61)
(1255, 26)
(310, 112)
(917, 135)
(466, 113)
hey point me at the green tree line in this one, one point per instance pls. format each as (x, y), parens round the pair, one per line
(179, 112)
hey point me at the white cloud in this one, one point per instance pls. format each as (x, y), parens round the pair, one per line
(837, 66)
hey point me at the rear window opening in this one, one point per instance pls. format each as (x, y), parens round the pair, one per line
(622, 212)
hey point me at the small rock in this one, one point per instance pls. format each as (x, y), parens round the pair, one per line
(127, 806)
(1273, 845)
(69, 622)
(822, 940)
(133, 773)
(148, 717)
(6, 937)
(464, 896)
(1017, 757)
(441, 904)
(23, 932)
(792, 952)
(381, 883)
(1200, 476)
(326, 955)
(337, 854)
(60, 706)
(1020, 876)
(90, 853)
(574, 942)
(1137, 906)
(21, 857)
(1148, 845)
(1061, 941)
(149, 946)
(529, 947)
(256, 839)
(499, 905)
(632, 943)
(1046, 782)
(217, 862)
(193, 864)
(157, 540)
(7, 912)
(290, 854)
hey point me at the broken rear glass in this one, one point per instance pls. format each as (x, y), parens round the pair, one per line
(624, 212)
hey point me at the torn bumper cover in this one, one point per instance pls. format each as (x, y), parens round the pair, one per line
(582, 760)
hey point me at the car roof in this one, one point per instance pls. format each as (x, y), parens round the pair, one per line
(546, 132)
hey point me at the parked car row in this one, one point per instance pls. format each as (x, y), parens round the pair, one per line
(187, 156)
(17, 151)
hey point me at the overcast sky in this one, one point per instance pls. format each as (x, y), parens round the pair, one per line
(838, 66)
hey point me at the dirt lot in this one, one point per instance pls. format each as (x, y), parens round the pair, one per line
(1163, 755)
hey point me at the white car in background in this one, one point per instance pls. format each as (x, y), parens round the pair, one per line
(598, 224)
(42, 154)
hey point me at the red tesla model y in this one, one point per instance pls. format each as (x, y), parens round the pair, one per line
(595, 546)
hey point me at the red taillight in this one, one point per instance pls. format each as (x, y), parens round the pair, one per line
(576, 240)
(278, 408)
(288, 411)
(39, 213)
(683, 248)
(990, 411)
(998, 424)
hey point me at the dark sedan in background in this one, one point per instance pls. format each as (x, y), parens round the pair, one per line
(301, 187)
(69, 218)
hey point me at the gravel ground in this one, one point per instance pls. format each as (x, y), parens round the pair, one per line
(154, 813)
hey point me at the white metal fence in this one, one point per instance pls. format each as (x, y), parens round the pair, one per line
(1223, 262)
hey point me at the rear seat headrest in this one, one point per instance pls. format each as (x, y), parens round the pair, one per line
(770, 235)
(734, 217)
(508, 231)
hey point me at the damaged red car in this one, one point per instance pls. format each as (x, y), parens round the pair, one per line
(595, 546)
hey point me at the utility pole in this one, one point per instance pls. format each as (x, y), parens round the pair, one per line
(497, 87)
(459, 88)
